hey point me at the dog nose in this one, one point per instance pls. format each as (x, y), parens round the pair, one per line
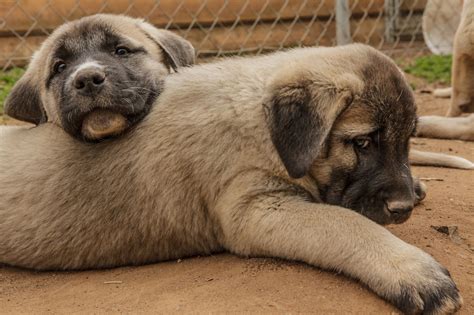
(89, 81)
(397, 207)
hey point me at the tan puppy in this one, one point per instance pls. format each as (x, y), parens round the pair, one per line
(290, 155)
(462, 92)
(97, 76)
(462, 101)
(463, 63)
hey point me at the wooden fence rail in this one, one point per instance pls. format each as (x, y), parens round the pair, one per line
(215, 27)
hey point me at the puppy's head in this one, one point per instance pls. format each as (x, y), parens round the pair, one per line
(97, 76)
(347, 126)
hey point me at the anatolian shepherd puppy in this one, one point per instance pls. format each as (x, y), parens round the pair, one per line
(296, 155)
(455, 126)
(462, 91)
(97, 76)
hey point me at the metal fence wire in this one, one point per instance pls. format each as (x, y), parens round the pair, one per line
(236, 27)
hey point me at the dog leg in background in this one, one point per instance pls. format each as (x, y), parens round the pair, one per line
(460, 128)
(283, 223)
(420, 190)
(423, 158)
(462, 99)
(443, 93)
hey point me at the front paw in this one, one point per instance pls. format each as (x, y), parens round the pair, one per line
(423, 286)
(420, 190)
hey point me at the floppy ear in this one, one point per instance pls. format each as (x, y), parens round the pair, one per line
(178, 51)
(24, 102)
(300, 117)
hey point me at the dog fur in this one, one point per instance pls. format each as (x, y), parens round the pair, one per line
(462, 101)
(262, 156)
(462, 91)
(129, 56)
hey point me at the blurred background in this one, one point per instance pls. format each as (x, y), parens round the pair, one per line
(404, 29)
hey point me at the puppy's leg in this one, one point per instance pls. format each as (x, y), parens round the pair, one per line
(279, 222)
(462, 80)
(438, 159)
(420, 190)
(461, 128)
(443, 93)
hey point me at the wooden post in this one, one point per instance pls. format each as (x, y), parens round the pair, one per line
(392, 11)
(343, 27)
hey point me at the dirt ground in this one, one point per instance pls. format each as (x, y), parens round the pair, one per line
(228, 284)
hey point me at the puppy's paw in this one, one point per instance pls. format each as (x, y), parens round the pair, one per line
(420, 190)
(424, 287)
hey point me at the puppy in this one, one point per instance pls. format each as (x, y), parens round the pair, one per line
(296, 155)
(462, 91)
(462, 101)
(97, 76)
(463, 64)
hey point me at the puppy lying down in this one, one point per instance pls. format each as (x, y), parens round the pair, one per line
(299, 155)
(97, 76)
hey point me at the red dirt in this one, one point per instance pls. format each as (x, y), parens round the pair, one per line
(225, 283)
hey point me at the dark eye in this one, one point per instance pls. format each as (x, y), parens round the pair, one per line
(59, 67)
(122, 51)
(362, 142)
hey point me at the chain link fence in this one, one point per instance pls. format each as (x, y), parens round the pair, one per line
(236, 27)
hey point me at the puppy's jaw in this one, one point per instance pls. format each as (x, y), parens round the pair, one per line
(101, 123)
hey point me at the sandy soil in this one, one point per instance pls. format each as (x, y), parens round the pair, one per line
(225, 283)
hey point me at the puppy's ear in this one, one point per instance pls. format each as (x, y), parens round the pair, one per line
(178, 51)
(24, 102)
(300, 117)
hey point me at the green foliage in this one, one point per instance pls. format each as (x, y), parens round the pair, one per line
(431, 68)
(7, 80)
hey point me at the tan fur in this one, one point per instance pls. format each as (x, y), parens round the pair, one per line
(460, 128)
(439, 159)
(443, 93)
(462, 99)
(461, 92)
(200, 175)
(463, 63)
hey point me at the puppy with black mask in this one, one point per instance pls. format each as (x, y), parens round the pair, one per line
(97, 76)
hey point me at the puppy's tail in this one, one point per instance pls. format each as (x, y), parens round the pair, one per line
(438, 159)
(443, 93)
